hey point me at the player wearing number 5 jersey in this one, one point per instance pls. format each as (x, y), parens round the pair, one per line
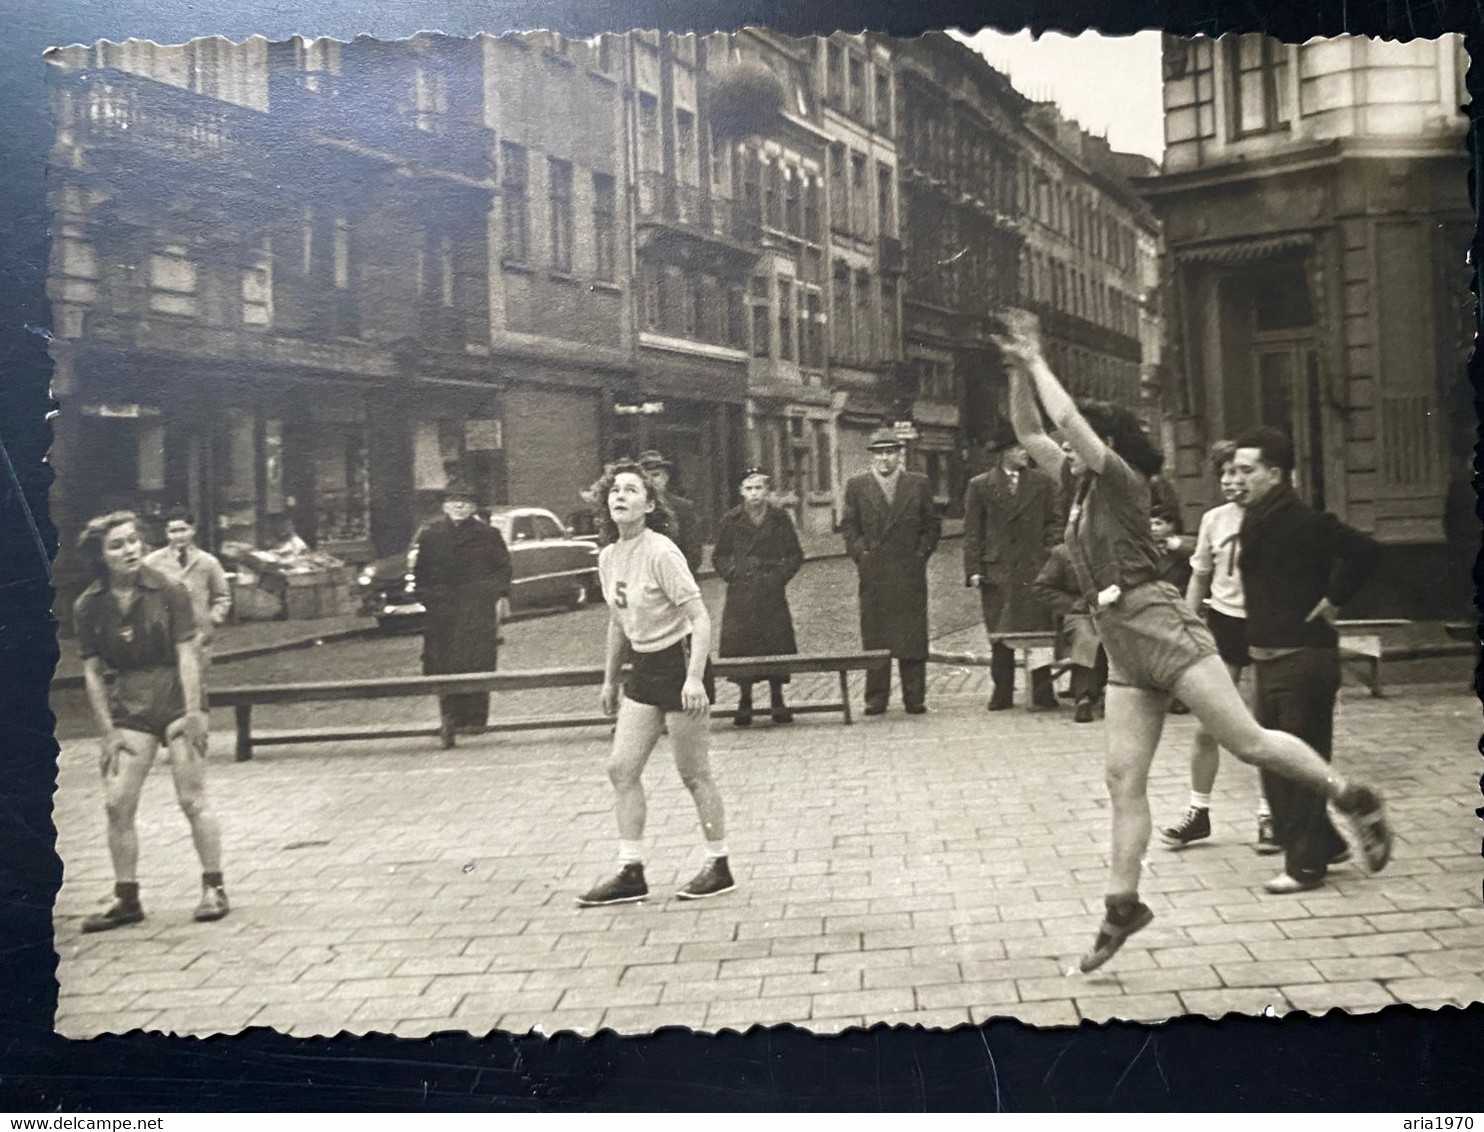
(659, 622)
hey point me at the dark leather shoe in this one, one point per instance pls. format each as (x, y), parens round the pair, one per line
(875, 709)
(118, 915)
(740, 720)
(999, 703)
(917, 709)
(783, 716)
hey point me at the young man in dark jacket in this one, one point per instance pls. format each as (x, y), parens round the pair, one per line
(1299, 566)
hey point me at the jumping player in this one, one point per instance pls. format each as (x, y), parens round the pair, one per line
(660, 624)
(1156, 646)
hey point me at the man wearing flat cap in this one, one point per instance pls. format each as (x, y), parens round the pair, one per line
(891, 530)
(461, 574)
(1011, 522)
(687, 534)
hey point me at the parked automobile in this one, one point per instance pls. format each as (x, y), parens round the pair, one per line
(550, 569)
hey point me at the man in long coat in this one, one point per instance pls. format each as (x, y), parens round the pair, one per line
(1011, 522)
(891, 530)
(687, 531)
(462, 572)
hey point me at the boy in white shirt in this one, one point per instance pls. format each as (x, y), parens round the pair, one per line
(1215, 592)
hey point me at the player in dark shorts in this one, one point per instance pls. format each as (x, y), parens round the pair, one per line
(1157, 647)
(660, 624)
(137, 636)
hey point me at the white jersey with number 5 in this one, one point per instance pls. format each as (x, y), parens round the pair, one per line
(645, 582)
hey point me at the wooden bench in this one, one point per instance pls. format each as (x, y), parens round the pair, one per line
(242, 700)
(1032, 651)
(1363, 644)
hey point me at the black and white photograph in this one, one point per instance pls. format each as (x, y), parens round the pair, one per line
(666, 530)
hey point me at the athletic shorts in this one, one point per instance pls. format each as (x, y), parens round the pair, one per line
(1231, 637)
(147, 700)
(657, 678)
(1152, 637)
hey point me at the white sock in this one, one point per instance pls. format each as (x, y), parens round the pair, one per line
(630, 852)
(1200, 801)
(1263, 809)
(715, 849)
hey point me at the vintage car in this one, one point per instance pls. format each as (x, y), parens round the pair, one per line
(550, 569)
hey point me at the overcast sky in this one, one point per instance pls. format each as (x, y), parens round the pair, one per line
(1110, 84)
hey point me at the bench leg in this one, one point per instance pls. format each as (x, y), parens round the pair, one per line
(243, 713)
(845, 695)
(1375, 667)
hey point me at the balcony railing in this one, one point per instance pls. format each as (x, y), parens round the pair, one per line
(661, 200)
(117, 108)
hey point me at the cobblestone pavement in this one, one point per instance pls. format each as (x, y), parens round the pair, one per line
(936, 870)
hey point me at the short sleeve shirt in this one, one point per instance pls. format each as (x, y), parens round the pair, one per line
(160, 618)
(1108, 530)
(645, 582)
(1217, 554)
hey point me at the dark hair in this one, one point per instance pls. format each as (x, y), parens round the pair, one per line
(1221, 454)
(179, 514)
(1274, 447)
(90, 541)
(1165, 513)
(1126, 433)
(660, 520)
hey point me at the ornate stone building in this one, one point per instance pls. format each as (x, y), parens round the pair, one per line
(1316, 212)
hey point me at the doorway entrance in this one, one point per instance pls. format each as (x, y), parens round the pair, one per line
(1287, 388)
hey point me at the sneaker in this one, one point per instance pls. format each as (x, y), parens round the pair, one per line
(1285, 885)
(1266, 844)
(626, 887)
(118, 915)
(1113, 933)
(213, 904)
(713, 879)
(1194, 826)
(1083, 714)
(1361, 814)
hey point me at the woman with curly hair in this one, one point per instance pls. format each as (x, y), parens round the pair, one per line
(138, 635)
(660, 624)
(1157, 647)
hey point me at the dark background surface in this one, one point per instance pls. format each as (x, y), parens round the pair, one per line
(1400, 1060)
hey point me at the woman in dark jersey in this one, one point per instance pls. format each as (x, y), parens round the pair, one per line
(1156, 646)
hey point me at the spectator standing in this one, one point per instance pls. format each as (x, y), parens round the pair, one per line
(891, 530)
(687, 530)
(1011, 522)
(1299, 567)
(200, 572)
(461, 574)
(757, 554)
(1057, 590)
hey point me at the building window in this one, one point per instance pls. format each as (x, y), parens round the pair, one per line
(842, 342)
(793, 222)
(649, 134)
(883, 99)
(865, 325)
(839, 189)
(515, 205)
(1258, 67)
(785, 320)
(857, 86)
(720, 161)
(823, 465)
(860, 204)
(651, 295)
(429, 99)
(834, 66)
(811, 210)
(257, 287)
(341, 252)
(445, 272)
(559, 188)
(762, 334)
(172, 281)
(605, 236)
(772, 193)
(885, 215)
(890, 334)
(811, 349)
(686, 157)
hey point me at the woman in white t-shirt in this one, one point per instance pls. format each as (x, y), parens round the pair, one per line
(660, 624)
(1215, 593)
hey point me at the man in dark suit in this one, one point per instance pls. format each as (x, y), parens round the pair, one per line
(1011, 522)
(462, 571)
(891, 530)
(687, 531)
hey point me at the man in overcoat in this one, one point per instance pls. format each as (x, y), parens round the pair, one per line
(1011, 522)
(891, 530)
(461, 574)
(687, 532)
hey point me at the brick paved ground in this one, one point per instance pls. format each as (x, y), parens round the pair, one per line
(939, 870)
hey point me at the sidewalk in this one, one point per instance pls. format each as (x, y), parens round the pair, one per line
(936, 870)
